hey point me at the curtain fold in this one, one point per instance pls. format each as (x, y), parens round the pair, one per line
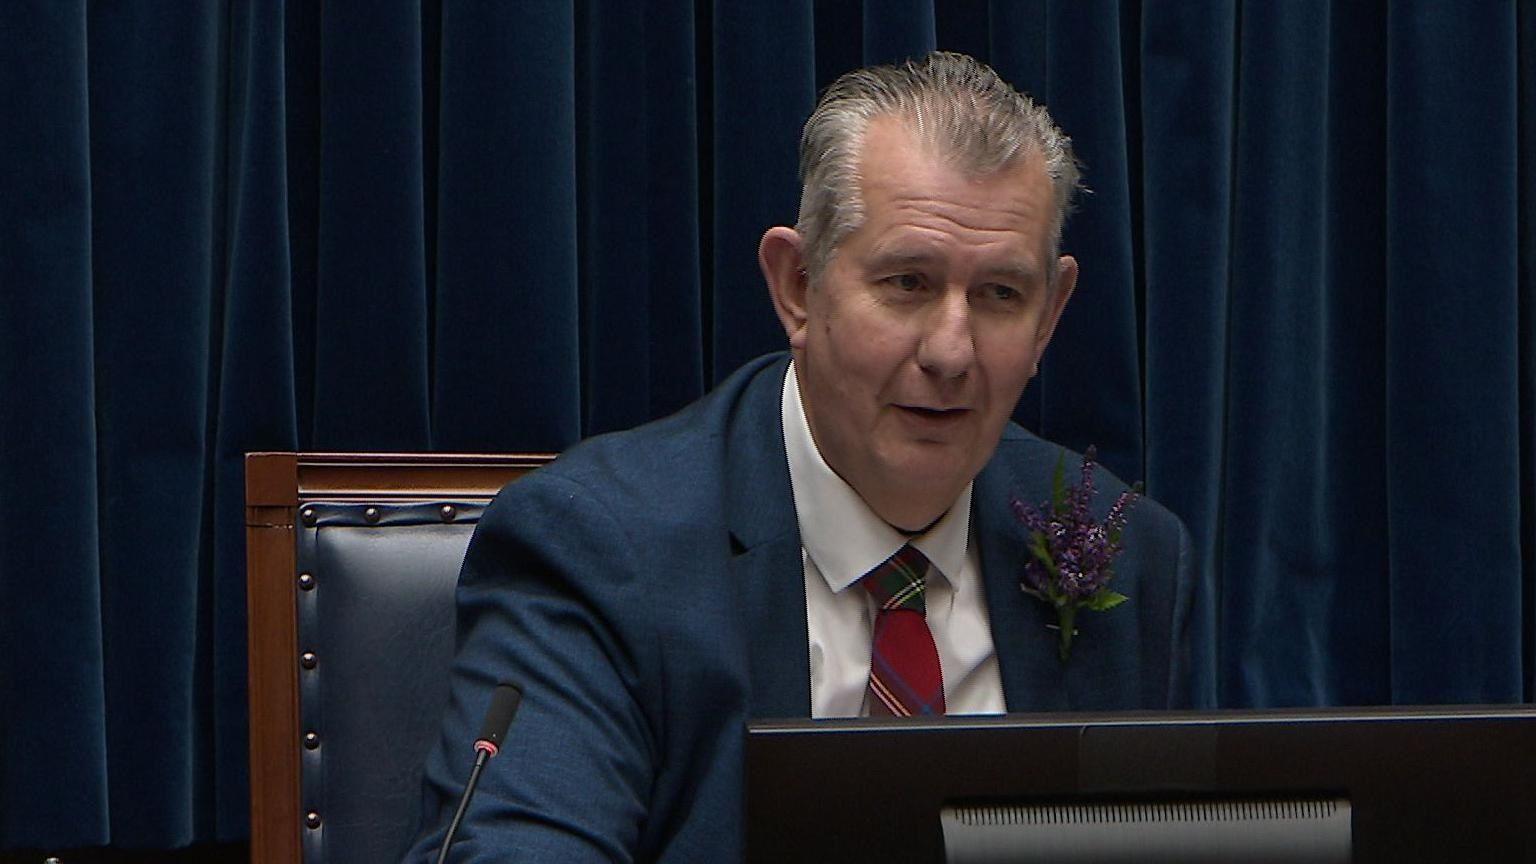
(157, 284)
(1526, 92)
(371, 339)
(1283, 617)
(507, 339)
(1453, 352)
(639, 186)
(257, 404)
(52, 686)
(1187, 97)
(762, 76)
(1304, 315)
(1089, 387)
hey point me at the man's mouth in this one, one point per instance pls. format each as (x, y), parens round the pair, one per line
(938, 414)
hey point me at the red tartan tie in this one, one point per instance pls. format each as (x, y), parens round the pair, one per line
(904, 675)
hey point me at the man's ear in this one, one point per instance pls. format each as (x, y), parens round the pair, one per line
(1061, 292)
(781, 256)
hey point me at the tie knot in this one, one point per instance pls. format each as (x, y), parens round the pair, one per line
(899, 582)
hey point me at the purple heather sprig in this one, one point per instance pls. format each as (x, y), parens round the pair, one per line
(1071, 554)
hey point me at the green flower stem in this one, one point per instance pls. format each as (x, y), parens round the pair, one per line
(1066, 615)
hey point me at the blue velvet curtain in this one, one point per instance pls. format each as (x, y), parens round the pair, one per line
(1305, 312)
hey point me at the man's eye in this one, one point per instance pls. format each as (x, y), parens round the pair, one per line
(1003, 292)
(905, 281)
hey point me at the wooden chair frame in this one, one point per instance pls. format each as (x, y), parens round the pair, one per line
(277, 487)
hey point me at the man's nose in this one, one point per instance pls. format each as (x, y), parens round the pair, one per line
(948, 345)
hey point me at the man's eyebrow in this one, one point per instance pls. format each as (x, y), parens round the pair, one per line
(1020, 272)
(900, 258)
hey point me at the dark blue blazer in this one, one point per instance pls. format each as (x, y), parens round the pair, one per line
(646, 591)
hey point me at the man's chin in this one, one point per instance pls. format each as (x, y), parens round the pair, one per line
(931, 483)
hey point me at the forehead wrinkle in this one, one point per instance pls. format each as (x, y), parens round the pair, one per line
(1015, 216)
(912, 238)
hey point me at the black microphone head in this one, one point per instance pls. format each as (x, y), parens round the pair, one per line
(498, 717)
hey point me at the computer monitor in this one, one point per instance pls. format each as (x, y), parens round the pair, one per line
(1389, 784)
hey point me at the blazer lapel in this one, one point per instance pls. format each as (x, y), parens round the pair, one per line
(773, 602)
(765, 562)
(1034, 679)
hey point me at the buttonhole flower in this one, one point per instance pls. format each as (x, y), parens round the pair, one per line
(1071, 555)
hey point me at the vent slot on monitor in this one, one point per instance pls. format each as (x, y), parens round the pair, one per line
(1275, 831)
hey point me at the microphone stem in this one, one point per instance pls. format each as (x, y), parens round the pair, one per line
(481, 757)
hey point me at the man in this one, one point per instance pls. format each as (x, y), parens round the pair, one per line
(653, 590)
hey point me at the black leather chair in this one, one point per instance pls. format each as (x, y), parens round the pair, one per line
(352, 561)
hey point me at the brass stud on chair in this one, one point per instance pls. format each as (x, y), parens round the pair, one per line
(308, 660)
(448, 512)
(308, 515)
(312, 819)
(311, 740)
(371, 515)
(306, 582)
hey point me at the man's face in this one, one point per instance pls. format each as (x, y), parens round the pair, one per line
(913, 347)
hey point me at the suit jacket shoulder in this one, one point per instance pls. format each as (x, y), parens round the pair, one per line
(610, 585)
(672, 469)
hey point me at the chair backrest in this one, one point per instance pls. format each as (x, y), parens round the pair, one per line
(352, 561)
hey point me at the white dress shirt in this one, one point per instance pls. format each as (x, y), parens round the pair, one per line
(841, 540)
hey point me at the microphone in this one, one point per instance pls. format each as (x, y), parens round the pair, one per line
(504, 702)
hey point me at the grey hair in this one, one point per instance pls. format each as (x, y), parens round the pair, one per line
(949, 101)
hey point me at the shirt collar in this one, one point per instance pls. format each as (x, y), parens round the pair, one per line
(837, 529)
